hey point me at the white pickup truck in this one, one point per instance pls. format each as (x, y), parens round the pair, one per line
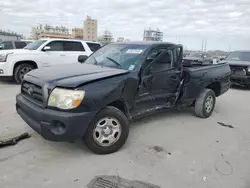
(15, 64)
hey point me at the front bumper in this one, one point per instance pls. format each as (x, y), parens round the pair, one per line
(4, 70)
(240, 79)
(51, 124)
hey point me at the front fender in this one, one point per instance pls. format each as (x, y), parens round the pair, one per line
(13, 59)
(104, 92)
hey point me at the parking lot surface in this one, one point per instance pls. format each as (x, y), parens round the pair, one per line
(172, 149)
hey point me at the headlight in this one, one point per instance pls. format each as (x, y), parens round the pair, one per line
(65, 98)
(3, 57)
(248, 69)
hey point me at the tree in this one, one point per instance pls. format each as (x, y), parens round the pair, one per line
(106, 38)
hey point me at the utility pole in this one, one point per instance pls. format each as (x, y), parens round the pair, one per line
(205, 48)
(202, 45)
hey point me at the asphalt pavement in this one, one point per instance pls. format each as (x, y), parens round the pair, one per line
(172, 149)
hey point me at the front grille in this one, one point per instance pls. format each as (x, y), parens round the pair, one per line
(32, 91)
(238, 70)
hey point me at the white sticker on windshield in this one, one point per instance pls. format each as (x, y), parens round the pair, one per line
(134, 51)
(131, 67)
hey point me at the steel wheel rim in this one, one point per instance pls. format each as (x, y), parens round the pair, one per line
(24, 71)
(209, 104)
(107, 131)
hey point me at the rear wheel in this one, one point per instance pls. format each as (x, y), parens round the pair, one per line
(107, 132)
(205, 103)
(21, 70)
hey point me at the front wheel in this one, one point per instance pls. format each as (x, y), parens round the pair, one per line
(205, 103)
(20, 71)
(107, 132)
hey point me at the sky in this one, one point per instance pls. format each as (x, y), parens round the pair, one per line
(225, 24)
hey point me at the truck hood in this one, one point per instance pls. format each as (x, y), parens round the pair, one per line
(237, 63)
(72, 75)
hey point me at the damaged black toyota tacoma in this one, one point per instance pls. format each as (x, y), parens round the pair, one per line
(96, 99)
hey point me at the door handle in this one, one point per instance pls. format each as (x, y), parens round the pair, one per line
(62, 55)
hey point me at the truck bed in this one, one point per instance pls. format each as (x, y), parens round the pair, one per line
(203, 76)
(198, 67)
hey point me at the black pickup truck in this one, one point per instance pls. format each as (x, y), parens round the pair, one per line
(97, 98)
(239, 62)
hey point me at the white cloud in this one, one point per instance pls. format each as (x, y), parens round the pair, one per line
(189, 20)
(235, 14)
(201, 22)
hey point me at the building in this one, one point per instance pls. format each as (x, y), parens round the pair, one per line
(90, 29)
(48, 31)
(45, 35)
(87, 32)
(152, 35)
(78, 33)
(7, 35)
(36, 31)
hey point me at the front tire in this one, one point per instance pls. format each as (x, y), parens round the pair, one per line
(107, 132)
(20, 71)
(205, 103)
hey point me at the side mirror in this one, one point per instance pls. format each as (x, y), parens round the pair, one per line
(1, 47)
(82, 58)
(221, 59)
(47, 48)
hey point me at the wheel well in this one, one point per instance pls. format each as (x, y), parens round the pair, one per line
(120, 105)
(24, 62)
(216, 87)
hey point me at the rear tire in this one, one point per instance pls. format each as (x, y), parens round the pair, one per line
(205, 103)
(20, 71)
(107, 132)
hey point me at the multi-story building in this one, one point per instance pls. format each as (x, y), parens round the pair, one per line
(78, 33)
(87, 32)
(90, 29)
(48, 31)
(152, 35)
(7, 35)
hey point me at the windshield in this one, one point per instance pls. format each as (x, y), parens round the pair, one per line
(195, 55)
(124, 56)
(35, 45)
(238, 56)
